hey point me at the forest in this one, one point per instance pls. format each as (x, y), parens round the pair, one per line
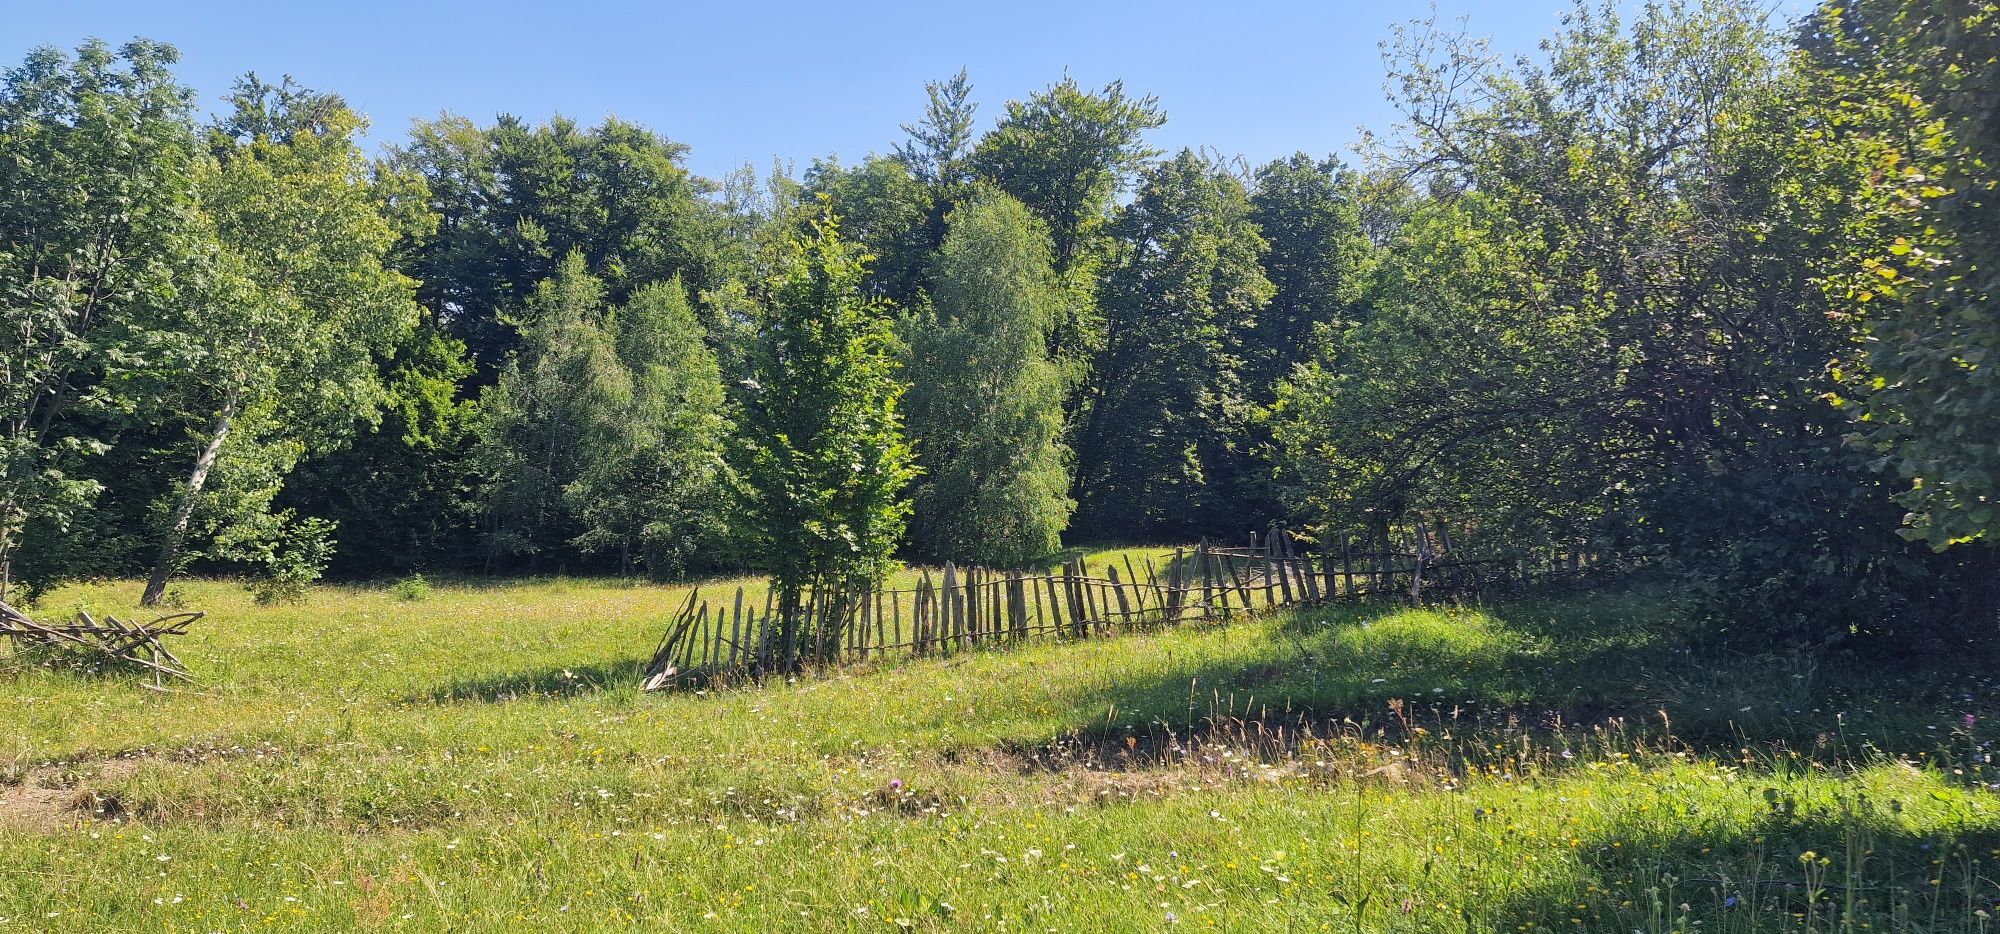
(1702, 288)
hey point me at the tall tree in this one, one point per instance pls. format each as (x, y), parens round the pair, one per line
(1309, 211)
(551, 409)
(288, 330)
(938, 153)
(886, 210)
(985, 404)
(518, 199)
(1065, 152)
(648, 486)
(97, 157)
(1163, 449)
(819, 460)
(939, 148)
(1924, 75)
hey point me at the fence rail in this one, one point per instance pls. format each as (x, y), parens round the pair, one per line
(956, 609)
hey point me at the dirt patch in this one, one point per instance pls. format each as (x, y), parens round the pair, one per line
(54, 797)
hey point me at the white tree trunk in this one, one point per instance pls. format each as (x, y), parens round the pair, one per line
(163, 568)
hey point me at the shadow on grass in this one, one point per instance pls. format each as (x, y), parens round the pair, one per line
(73, 662)
(1540, 663)
(1842, 862)
(543, 684)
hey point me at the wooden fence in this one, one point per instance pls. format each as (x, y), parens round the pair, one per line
(958, 609)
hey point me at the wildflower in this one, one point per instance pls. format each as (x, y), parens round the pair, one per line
(895, 784)
(1970, 720)
(1729, 902)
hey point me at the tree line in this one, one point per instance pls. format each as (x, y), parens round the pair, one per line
(1708, 286)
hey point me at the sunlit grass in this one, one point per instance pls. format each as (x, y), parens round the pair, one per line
(483, 760)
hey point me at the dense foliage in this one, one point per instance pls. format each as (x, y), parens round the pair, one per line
(1700, 288)
(820, 464)
(985, 405)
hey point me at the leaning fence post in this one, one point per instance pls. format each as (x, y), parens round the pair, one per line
(1309, 577)
(1124, 605)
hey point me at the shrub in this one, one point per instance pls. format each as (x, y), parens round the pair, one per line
(411, 589)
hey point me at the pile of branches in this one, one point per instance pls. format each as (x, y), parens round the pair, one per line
(112, 641)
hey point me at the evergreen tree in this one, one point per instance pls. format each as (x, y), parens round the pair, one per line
(558, 401)
(985, 404)
(939, 148)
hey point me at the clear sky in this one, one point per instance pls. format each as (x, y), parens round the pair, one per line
(749, 81)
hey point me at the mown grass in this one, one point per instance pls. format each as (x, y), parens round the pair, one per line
(483, 760)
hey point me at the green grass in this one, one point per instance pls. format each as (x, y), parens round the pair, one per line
(481, 759)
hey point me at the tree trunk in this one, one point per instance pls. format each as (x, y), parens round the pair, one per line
(163, 569)
(9, 534)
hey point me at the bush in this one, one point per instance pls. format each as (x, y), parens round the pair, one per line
(411, 589)
(295, 559)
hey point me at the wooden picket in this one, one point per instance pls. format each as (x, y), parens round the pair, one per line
(964, 608)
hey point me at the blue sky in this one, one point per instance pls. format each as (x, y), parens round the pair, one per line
(749, 81)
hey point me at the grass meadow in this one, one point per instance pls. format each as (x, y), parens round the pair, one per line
(482, 759)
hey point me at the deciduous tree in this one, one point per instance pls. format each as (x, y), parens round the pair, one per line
(97, 164)
(1163, 447)
(819, 462)
(287, 330)
(985, 403)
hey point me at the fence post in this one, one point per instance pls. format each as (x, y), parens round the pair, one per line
(1207, 580)
(1346, 568)
(1138, 595)
(1236, 578)
(923, 613)
(1124, 606)
(1307, 576)
(1079, 601)
(999, 606)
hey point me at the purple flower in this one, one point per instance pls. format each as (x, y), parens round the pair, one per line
(895, 784)
(1970, 720)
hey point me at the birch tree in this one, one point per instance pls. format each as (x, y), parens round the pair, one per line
(287, 330)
